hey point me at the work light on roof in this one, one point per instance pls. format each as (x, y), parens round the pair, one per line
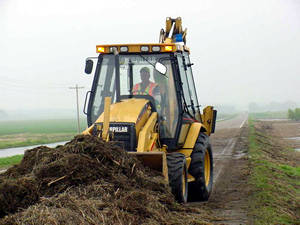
(144, 48)
(155, 48)
(168, 48)
(112, 49)
(101, 49)
(123, 49)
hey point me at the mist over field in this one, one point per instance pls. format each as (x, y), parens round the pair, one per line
(245, 53)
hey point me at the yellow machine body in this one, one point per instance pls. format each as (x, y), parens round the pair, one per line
(138, 110)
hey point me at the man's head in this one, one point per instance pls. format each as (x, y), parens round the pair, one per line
(145, 74)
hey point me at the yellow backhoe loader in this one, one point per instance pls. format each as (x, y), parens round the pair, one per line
(143, 98)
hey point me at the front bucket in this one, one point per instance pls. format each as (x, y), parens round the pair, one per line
(154, 160)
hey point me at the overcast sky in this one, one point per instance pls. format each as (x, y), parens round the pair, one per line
(243, 51)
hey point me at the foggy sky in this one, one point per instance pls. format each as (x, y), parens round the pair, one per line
(243, 51)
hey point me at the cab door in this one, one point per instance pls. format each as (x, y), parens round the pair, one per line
(188, 87)
(188, 115)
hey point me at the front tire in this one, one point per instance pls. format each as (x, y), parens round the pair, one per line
(177, 171)
(201, 169)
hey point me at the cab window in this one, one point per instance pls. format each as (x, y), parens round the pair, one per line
(185, 85)
(105, 86)
(130, 66)
(191, 82)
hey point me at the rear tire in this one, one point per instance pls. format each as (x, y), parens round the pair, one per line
(177, 172)
(201, 168)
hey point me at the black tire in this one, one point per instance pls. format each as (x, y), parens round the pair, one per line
(201, 168)
(177, 172)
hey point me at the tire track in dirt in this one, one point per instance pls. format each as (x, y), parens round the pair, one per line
(225, 131)
(227, 152)
(228, 199)
(230, 192)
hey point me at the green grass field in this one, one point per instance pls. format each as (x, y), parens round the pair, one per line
(41, 126)
(269, 115)
(33, 132)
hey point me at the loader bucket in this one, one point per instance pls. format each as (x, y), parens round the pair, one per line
(154, 160)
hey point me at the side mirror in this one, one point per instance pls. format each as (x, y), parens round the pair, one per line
(161, 68)
(88, 66)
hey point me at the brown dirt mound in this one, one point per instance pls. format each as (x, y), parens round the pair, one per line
(87, 181)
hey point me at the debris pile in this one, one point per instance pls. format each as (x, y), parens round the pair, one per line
(87, 181)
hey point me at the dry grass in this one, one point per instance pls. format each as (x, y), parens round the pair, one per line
(88, 181)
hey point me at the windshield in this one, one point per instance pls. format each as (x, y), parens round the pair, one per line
(138, 77)
(143, 73)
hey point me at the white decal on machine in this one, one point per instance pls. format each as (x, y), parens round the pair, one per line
(119, 129)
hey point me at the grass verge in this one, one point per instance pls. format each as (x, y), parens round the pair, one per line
(275, 180)
(35, 132)
(9, 161)
(51, 126)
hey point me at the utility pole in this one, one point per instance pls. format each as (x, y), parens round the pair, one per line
(76, 87)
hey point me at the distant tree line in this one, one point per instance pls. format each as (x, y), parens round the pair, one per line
(294, 114)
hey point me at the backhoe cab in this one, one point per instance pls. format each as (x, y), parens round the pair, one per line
(144, 99)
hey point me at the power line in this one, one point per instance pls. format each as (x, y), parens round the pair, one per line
(76, 87)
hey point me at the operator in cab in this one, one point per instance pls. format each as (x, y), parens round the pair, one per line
(146, 87)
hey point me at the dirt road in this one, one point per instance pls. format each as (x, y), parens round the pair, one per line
(224, 141)
(227, 204)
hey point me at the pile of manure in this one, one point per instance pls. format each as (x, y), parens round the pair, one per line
(88, 181)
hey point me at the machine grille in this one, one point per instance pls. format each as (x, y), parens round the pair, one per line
(123, 134)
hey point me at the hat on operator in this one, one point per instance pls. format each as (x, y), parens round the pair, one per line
(145, 69)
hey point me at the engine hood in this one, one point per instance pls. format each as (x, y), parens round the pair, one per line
(128, 110)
